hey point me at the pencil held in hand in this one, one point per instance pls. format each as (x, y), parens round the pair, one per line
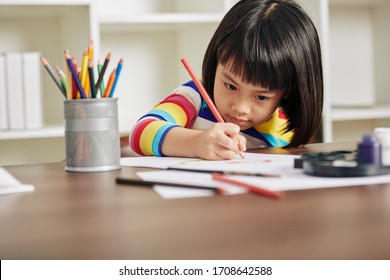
(202, 91)
(206, 97)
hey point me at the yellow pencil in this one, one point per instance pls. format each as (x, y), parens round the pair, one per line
(84, 72)
(90, 57)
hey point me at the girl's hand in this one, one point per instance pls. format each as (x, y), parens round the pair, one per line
(221, 141)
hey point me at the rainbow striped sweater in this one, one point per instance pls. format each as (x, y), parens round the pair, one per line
(185, 107)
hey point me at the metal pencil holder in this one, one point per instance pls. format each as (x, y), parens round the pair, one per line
(91, 135)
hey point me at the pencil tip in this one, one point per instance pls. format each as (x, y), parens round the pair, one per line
(44, 61)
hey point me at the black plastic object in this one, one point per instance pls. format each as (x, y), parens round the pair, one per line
(337, 164)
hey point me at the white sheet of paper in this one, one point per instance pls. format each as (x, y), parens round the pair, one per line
(292, 179)
(277, 164)
(260, 163)
(9, 184)
(184, 177)
(175, 192)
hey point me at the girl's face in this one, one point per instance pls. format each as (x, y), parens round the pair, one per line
(243, 104)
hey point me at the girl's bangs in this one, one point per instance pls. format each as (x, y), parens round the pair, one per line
(259, 62)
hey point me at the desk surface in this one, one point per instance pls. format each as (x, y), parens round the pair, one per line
(88, 216)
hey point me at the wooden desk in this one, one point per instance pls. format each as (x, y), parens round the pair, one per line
(88, 216)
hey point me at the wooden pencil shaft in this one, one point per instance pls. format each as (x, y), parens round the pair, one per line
(100, 78)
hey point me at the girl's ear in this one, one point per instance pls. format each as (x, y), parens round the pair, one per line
(286, 95)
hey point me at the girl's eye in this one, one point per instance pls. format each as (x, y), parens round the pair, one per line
(262, 98)
(230, 87)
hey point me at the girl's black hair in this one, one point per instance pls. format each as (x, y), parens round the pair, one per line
(273, 44)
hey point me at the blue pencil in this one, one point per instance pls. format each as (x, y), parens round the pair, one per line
(74, 74)
(118, 71)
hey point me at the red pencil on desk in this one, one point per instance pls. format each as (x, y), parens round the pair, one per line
(204, 94)
(221, 178)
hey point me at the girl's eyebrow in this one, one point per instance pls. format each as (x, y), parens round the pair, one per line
(228, 76)
(258, 90)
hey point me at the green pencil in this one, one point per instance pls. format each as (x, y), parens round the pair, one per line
(102, 87)
(62, 77)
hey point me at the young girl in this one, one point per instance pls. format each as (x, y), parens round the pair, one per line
(263, 71)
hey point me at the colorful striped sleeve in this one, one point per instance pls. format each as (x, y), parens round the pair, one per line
(180, 108)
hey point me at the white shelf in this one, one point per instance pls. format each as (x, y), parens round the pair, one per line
(163, 18)
(361, 113)
(357, 83)
(47, 132)
(358, 2)
(155, 22)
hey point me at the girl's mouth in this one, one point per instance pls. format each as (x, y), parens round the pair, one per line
(238, 121)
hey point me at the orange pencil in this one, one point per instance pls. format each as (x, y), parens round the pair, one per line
(110, 83)
(90, 49)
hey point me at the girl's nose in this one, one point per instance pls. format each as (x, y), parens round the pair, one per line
(241, 106)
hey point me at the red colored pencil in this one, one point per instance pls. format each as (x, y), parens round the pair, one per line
(202, 91)
(264, 192)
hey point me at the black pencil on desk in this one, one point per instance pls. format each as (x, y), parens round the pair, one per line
(143, 183)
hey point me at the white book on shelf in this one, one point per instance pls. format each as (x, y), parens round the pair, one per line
(32, 89)
(3, 95)
(14, 81)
